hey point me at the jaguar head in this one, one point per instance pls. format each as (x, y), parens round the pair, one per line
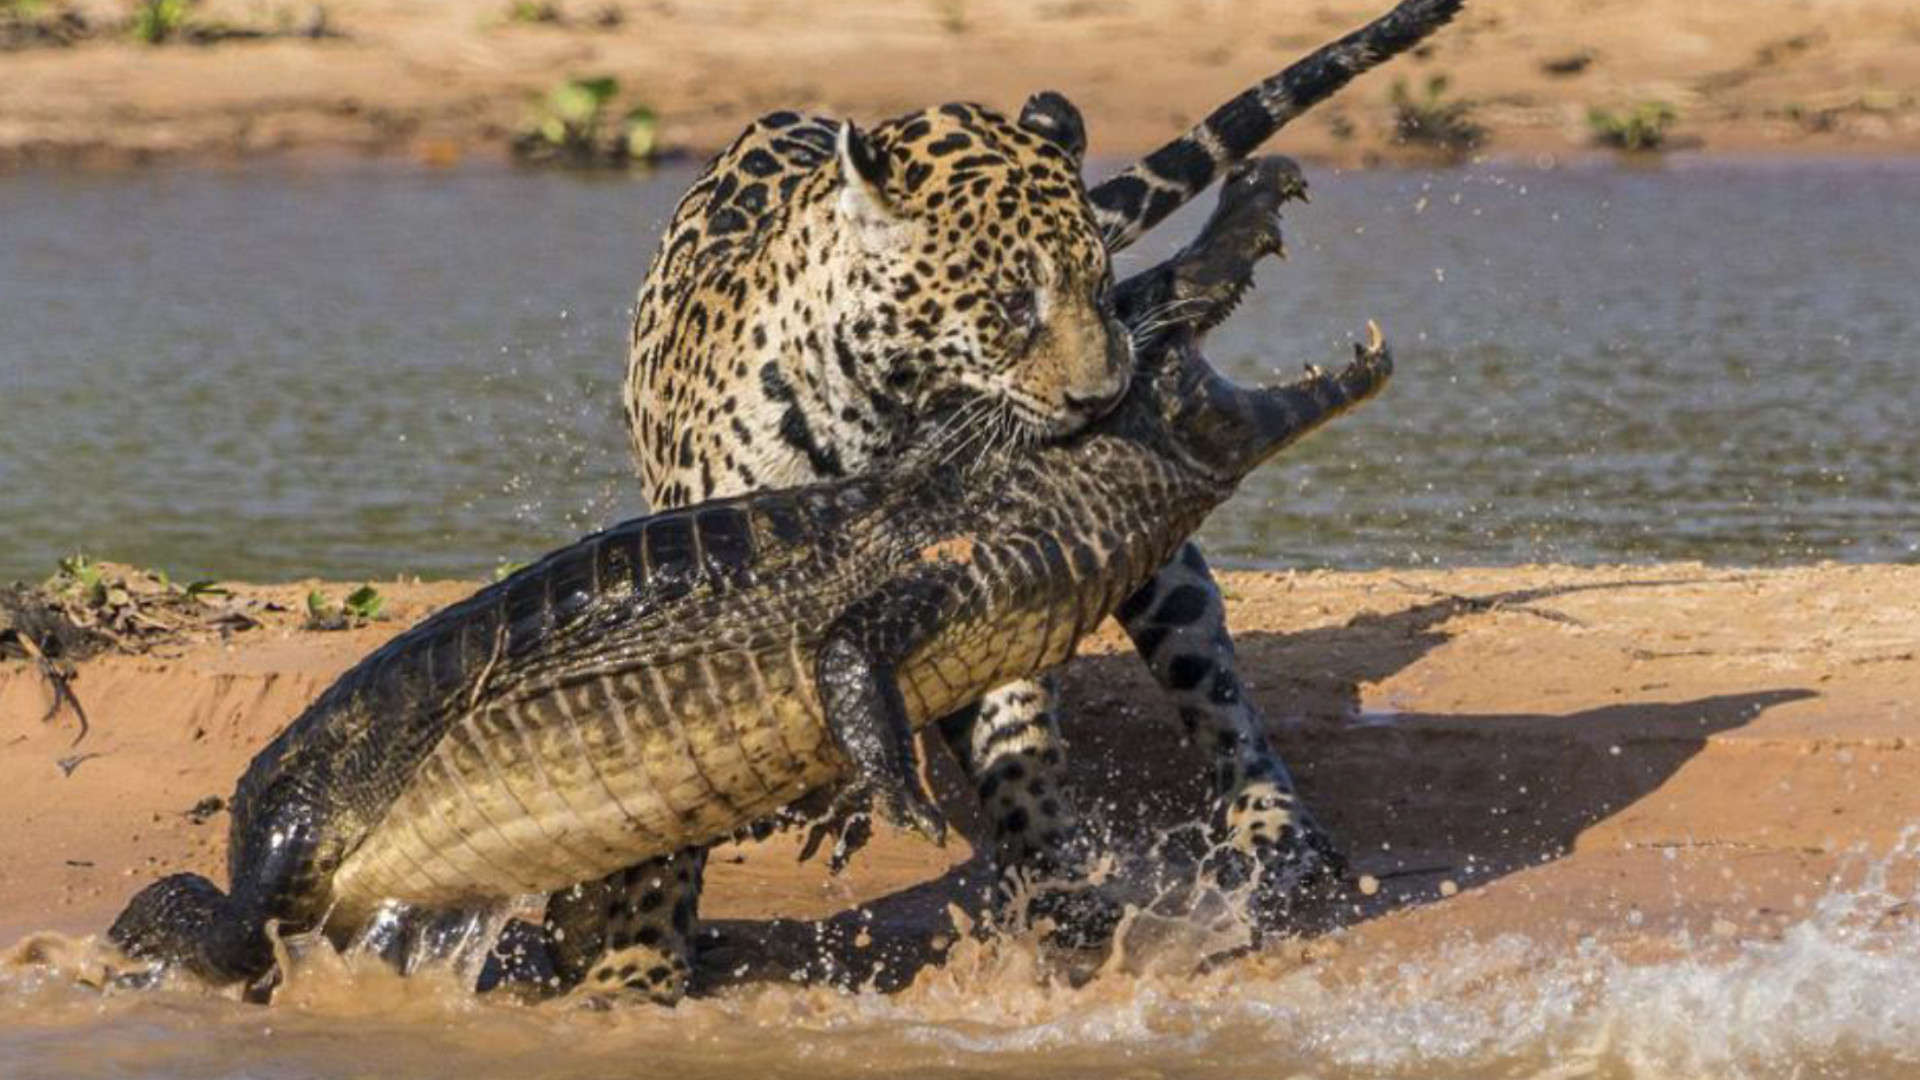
(980, 275)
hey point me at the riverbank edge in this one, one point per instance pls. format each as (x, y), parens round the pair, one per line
(446, 81)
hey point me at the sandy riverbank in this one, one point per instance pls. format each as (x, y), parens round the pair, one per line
(1638, 755)
(443, 80)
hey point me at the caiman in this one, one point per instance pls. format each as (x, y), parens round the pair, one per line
(678, 677)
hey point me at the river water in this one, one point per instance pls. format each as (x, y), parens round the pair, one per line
(353, 372)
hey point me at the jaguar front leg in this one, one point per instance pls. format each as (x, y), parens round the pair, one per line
(1178, 619)
(1178, 623)
(1010, 744)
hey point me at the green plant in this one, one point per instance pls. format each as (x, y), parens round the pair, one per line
(361, 606)
(573, 126)
(158, 21)
(22, 9)
(575, 110)
(1431, 119)
(79, 575)
(533, 12)
(1639, 128)
(205, 588)
(320, 610)
(364, 603)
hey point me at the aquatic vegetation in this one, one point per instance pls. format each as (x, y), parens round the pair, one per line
(162, 22)
(550, 14)
(574, 126)
(1638, 128)
(1432, 119)
(89, 607)
(361, 606)
(1871, 105)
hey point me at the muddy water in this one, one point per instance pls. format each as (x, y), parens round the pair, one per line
(271, 373)
(1828, 996)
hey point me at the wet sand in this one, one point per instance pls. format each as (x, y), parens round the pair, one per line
(442, 80)
(1640, 757)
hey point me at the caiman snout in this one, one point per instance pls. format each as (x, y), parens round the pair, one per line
(1228, 430)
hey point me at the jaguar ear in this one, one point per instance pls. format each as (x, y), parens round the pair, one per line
(1052, 117)
(863, 176)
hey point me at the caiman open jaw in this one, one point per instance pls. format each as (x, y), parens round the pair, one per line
(1226, 430)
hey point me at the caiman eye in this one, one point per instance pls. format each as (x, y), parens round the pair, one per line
(1021, 309)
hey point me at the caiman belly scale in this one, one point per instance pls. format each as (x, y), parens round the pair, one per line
(649, 740)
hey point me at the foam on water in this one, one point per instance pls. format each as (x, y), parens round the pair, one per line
(1830, 996)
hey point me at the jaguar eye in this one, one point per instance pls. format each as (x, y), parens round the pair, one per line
(1021, 308)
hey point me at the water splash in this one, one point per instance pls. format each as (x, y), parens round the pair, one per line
(1827, 997)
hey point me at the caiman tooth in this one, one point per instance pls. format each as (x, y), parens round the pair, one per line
(1220, 312)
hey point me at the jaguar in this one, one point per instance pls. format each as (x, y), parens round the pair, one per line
(822, 286)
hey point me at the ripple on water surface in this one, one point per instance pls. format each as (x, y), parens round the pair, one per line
(269, 374)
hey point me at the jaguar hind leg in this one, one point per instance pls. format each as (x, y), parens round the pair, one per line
(1009, 744)
(629, 934)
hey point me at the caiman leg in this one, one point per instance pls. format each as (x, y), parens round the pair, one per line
(630, 932)
(861, 698)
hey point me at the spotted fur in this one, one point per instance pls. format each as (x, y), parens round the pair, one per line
(820, 287)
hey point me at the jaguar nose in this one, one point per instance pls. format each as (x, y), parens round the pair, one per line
(1094, 406)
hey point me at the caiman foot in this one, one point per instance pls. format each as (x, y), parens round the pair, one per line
(901, 800)
(1202, 284)
(837, 817)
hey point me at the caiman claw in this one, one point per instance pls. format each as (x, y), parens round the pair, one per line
(848, 820)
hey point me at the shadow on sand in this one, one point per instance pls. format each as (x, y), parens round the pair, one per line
(1414, 798)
